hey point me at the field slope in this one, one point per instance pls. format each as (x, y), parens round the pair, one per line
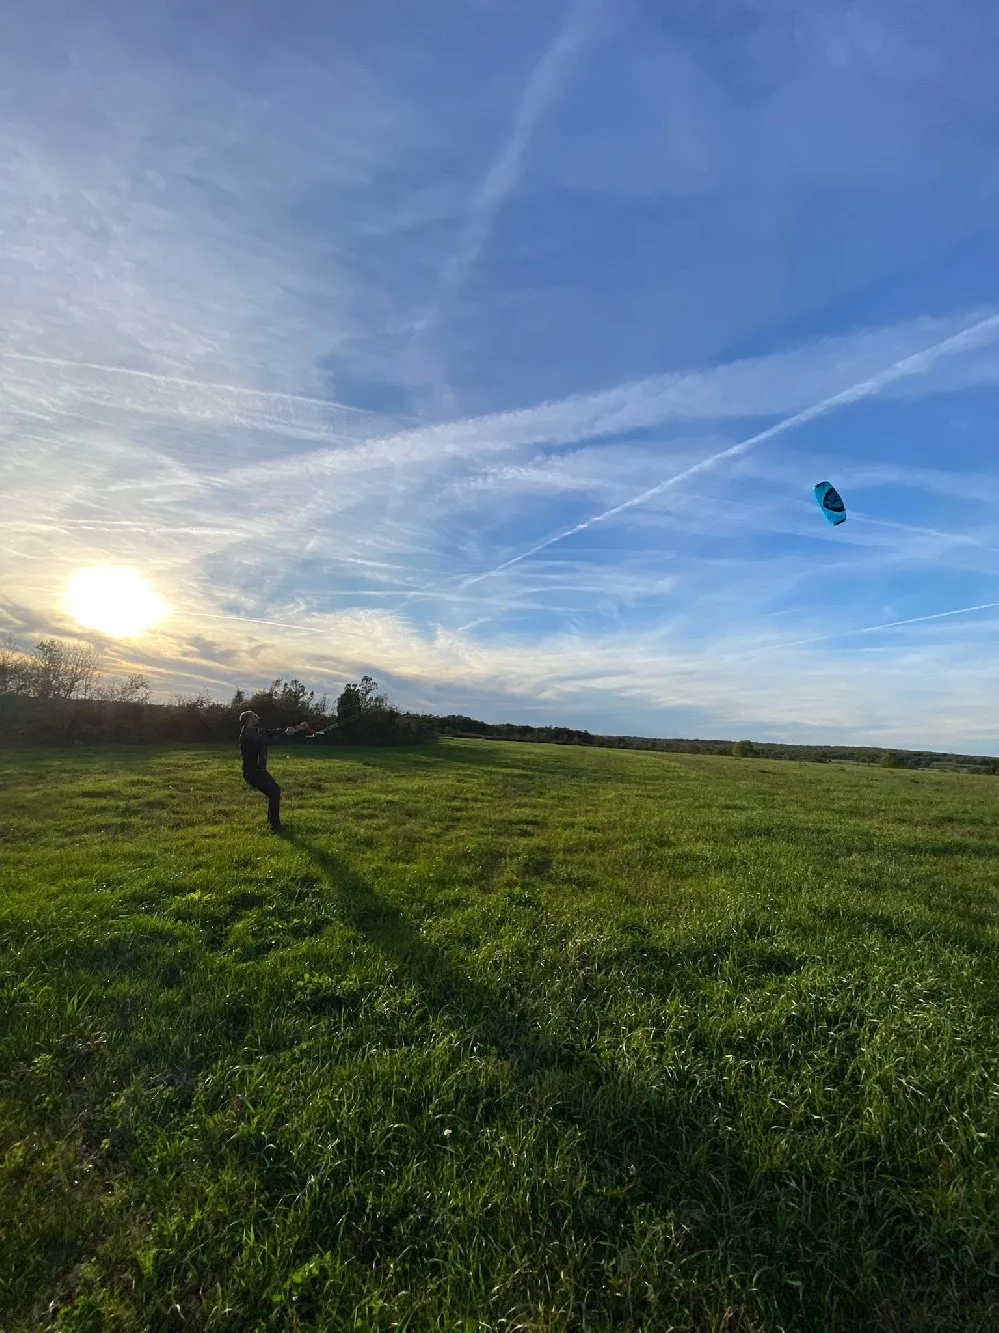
(497, 1037)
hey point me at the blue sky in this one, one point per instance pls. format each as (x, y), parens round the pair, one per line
(495, 348)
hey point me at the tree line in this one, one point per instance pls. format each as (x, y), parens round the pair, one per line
(459, 725)
(58, 694)
(57, 670)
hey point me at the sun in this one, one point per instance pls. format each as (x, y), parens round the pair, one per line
(116, 601)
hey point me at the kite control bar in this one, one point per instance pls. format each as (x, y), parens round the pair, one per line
(311, 734)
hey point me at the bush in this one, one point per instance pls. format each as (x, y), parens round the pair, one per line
(380, 726)
(28, 719)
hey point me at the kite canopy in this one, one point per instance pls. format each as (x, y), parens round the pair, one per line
(828, 499)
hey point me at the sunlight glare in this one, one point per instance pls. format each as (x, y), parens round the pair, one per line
(116, 601)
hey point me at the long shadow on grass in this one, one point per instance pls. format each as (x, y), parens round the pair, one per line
(671, 1149)
(444, 987)
(677, 1151)
(950, 924)
(638, 1125)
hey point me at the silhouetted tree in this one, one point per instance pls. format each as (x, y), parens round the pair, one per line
(64, 670)
(16, 669)
(350, 704)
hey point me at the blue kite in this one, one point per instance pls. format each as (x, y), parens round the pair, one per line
(828, 499)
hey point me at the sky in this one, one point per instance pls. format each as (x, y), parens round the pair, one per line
(493, 348)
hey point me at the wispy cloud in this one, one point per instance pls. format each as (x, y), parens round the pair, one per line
(799, 688)
(228, 392)
(501, 179)
(47, 386)
(546, 81)
(371, 483)
(975, 335)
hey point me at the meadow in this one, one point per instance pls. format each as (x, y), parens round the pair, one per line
(496, 1037)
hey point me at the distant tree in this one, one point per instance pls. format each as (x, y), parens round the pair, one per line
(891, 759)
(293, 696)
(130, 689)
(16, 669)
(65, 670)
(368, 691)
(282, 703)
(47, 673)
(743, 749)
(350, 704)
(263, 702)
(360, 697)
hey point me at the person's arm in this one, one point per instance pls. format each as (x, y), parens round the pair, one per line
(278, 733)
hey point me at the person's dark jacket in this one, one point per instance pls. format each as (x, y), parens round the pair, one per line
(253, 742)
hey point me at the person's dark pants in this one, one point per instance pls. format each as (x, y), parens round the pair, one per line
(262, 780)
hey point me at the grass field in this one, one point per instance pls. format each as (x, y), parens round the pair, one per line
(497, 1037)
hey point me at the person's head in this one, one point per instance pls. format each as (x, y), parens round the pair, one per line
(248, 718)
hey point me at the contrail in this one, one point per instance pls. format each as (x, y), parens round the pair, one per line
(960, 538)
(250, 620)
(318, 632)
(847, 633)
(177, 382)
(502, 176)
(314, 632)
(501, 179)
(916, 620)
(975, 334)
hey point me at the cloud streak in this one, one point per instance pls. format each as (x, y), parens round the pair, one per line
(179, 382)
(781, 645)
(977, 334)
(783, 382)
(545, 82)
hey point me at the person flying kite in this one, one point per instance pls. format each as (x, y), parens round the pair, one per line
(253, 739)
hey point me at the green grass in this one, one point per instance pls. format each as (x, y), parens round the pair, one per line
(498, 1037)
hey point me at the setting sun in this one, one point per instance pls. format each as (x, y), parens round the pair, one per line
(115, 601)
